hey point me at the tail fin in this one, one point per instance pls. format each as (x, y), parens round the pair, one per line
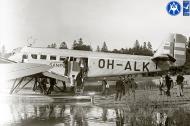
(174, 47)
(180, 49)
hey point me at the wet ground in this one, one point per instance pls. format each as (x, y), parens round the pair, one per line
(80, 114)
(32, 109)
(55, 114)
(103, 111)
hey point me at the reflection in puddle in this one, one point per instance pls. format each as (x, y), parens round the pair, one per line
(54, 115)
(60, 114)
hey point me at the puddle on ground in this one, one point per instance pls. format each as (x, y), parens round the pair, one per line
(81, 114)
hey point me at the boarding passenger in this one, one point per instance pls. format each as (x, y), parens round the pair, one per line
(81, 64)
(72, 84)
(104, 83)
(66, 62)
(168, 83)
(161, 85)
(119, 86)
(52, 83)
(179, 81)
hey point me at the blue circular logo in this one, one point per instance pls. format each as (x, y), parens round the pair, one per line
(173, 8)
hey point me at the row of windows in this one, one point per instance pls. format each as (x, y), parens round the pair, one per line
(44, 57)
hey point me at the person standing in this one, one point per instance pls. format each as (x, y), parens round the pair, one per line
(127, 83)
(79, 81)
(72, 84)
(123, 86)
(43, 85)
(52, 83)
(161, 85)
(119, 86)
(66, 62)
(182, 85)
(81, 64)
(107, 89)
(104, 83)
(179, 81)
(168, 83)
(133, 86)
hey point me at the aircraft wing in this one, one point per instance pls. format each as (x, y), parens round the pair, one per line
(56, 76)
(4, 60)
(18, 70)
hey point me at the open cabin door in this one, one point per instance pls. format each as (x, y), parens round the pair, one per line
(78, 64)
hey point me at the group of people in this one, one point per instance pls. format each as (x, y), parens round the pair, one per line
(124, 86)
(169, 83)
(42, 85)
(76, 84)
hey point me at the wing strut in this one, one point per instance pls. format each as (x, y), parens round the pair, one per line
(17, 85)
(24, 85)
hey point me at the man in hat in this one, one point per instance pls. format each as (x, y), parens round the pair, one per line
(119, 88)
(179, 81)
(169, 81)
(104, 83)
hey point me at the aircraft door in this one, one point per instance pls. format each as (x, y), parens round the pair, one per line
(79, 64)
(83, 63)
(74, 64)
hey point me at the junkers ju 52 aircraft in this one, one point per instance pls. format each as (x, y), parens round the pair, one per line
(49, 62)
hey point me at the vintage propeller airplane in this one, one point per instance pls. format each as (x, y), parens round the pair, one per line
(49, 62)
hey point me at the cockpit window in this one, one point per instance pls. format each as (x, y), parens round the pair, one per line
(25, 56)
(52, 57)
(43, 57)
(34, 56)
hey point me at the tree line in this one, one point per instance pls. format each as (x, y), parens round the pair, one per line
(77, 45)
(137, 49)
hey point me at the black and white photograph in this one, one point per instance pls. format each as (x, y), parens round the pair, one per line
(94, 63)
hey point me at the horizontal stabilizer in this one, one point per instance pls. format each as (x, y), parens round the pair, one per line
(164, 57)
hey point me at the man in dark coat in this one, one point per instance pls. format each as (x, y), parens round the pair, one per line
(79, 81)
(179, 81)
(66, 62)
(52, 83)
(169, 81)
(133, 86)
(119, 88)
(104, 83)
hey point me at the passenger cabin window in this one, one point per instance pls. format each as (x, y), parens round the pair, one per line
(62, 58)
(34, 56)
(71, 58)
(25, 56)
(52, 57)
(43, 57)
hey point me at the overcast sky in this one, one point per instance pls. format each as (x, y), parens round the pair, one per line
(117, 22)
